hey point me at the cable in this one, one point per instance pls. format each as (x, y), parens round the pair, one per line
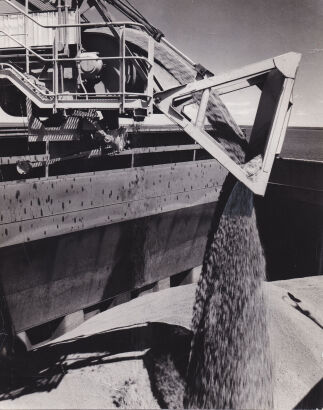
(133, 14)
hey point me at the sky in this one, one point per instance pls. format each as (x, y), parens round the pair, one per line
(228, 34)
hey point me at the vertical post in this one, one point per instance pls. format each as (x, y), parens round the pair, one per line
(55, 69)
(59, 22)
(61, 75)
(28, 101)
(26, 34)
(53, 55)
(150, 77)
(194, 152)
(122, 79)
(202, 108)
(78, 45)
(29, 112)
(47, 155)
(78, 21)
(66, 29)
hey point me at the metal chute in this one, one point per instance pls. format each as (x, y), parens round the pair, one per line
(277, 76)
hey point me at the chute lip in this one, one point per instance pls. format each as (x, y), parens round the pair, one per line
(288, 63)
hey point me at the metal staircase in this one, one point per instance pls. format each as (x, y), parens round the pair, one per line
(58, 98)
(45, 98)
(27, 84)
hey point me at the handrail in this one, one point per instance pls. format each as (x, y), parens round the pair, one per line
(103, 24)
(52, 60)
(11, 67)
(51, 94)
(26, 47)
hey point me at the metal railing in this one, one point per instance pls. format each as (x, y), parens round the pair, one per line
(56, 61)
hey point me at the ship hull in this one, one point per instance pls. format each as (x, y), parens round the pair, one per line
(52, 277)
(69, 242)
(72, 241)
